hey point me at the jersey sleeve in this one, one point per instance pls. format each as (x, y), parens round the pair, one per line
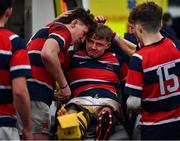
(61, 35)
(134, 82)
(19, 62)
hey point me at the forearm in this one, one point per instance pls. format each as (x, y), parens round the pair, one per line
(127, 46)
(22, 102)
(22, 105)
(49, 55)
(53, 66)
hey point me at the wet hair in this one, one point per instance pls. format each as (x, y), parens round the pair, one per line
(81, 14)
(5, 4)
(149, 15)
(102, 32)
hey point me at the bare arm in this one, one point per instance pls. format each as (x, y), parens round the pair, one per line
(127, 46)
(50, 59)
(22, 105)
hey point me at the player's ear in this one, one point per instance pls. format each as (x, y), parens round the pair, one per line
(108, 46)
(140, 28)
(8, 12)
(74, 22)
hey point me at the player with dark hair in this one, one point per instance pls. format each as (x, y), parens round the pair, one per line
(47, 49)
(153, 81)
(14, 69)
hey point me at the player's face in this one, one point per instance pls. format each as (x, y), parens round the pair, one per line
(80, 32)
(96, 47)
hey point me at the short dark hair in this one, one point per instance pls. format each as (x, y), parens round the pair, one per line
(5, 4)
(81, 14)
(149, 15)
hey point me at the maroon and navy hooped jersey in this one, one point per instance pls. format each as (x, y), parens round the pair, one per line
(14, 63)
(88, 76)
(41, 84)
(154, 76)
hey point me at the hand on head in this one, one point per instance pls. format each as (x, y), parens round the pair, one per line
(100, 19)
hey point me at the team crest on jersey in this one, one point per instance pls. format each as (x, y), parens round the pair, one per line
(109, 67)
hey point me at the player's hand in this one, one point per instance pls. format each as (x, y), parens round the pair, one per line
(100, 19)
(27, 134)
(62, 111)
(63, 94)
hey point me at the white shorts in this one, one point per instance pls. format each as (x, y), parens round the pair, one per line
(96, 102)
(40, 118)
(9, 133)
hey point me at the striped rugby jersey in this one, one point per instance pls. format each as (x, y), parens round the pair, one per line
(14, 63)
(101, 75)
(154, 76)
(41, 84)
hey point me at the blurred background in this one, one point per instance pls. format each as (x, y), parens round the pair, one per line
(30, 15)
